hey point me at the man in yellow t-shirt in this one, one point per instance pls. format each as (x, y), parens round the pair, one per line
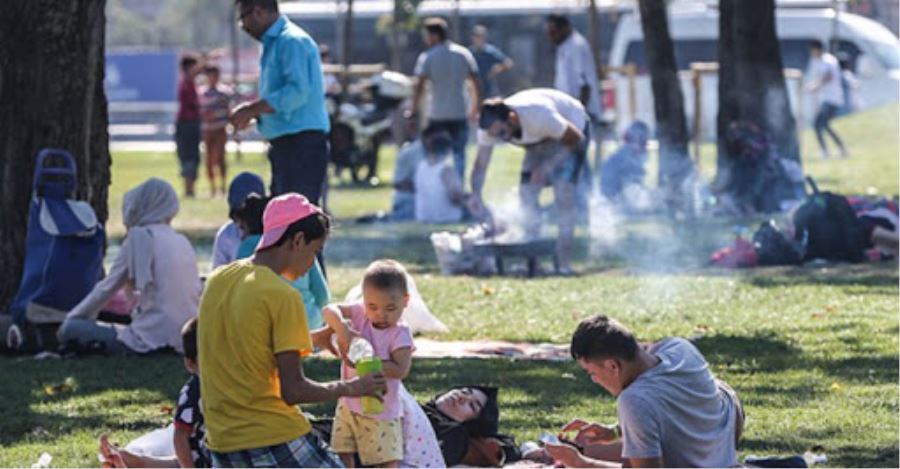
(252, 335)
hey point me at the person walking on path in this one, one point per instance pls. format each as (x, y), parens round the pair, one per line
(290, 111)
(826, 81)
(491, 62)
(447, 66)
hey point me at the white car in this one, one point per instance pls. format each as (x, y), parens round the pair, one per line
(871, 48)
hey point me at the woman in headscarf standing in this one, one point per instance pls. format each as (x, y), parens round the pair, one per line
(154, 262)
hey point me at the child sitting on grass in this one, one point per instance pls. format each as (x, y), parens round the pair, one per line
(190, 448)
(378, 439)
(313, 287)
(439, 193)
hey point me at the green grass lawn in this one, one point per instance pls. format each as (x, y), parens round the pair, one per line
(813, 352)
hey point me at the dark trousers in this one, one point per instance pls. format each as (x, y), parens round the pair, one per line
(459, 134)
(187, 147)
(299, 163)
(823, 123)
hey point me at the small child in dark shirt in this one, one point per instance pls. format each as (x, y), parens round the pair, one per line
(190, 447)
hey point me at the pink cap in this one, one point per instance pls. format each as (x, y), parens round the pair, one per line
(281, 212)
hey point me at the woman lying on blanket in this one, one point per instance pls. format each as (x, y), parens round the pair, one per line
(458, 426)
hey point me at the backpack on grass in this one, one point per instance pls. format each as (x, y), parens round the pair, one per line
(827, 225)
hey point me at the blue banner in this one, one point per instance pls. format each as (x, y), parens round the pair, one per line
(141, 76)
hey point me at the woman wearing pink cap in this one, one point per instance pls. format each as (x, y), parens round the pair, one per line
(253, 334)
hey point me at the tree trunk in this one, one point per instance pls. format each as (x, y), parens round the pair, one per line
(51, 94)
(751, 75)
(668, 101)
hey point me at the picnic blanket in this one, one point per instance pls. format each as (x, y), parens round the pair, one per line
(428, 348)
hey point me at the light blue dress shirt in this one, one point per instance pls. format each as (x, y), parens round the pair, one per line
(290, 82)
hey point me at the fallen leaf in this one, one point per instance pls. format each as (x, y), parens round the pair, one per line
(65, 386)
(835, 387)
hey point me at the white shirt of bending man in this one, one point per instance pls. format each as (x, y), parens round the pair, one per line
(544, 114)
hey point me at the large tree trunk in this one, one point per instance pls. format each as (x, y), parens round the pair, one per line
(51, 95)
(751, 73)
(668, 101)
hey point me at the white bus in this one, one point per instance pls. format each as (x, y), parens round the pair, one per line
(870, 47)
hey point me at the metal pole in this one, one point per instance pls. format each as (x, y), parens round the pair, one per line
(594, 34)
(235, 70)
(348, 51)
(834, 26)
(456, 22)
(395, 37)
(697, 82)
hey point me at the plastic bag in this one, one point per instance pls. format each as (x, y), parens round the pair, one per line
(416, 315)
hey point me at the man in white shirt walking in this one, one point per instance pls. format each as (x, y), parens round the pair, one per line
(826, 80)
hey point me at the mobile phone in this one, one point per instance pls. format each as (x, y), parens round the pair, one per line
(548, 438)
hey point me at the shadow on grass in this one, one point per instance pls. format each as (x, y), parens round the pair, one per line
(104, 386)
(874, 278)
(523, 384)
(841, 456)
(769, 354)
(33, 414)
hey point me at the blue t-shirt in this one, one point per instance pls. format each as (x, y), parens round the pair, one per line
(486, 58)
(313, 287)
(623, 167)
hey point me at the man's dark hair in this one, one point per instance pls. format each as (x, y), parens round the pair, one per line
(188, 61)
(436, 26)
(386, 275)
(493, 110)
(189, 338)
(602, 337)
(271, 5)
(313, 227)
(558, 20)
(816, 44)
(212, 69)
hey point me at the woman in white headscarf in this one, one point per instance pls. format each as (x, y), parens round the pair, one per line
(155, 263)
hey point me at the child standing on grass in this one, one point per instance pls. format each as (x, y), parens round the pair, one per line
(214, 106)
(190, 447)
(312, 286)
(378, 439)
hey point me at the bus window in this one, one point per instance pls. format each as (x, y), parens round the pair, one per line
(689, 51)
(634, 54)
(795, 53)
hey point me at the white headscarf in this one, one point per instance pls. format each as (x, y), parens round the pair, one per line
(150, 203)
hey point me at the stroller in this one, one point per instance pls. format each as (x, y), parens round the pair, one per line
(64, 248)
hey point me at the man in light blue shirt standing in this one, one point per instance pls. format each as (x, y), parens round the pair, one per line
(290, 112)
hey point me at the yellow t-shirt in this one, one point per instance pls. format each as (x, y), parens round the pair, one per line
(247, 315)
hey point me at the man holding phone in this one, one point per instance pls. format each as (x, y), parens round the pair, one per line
(672, 411)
